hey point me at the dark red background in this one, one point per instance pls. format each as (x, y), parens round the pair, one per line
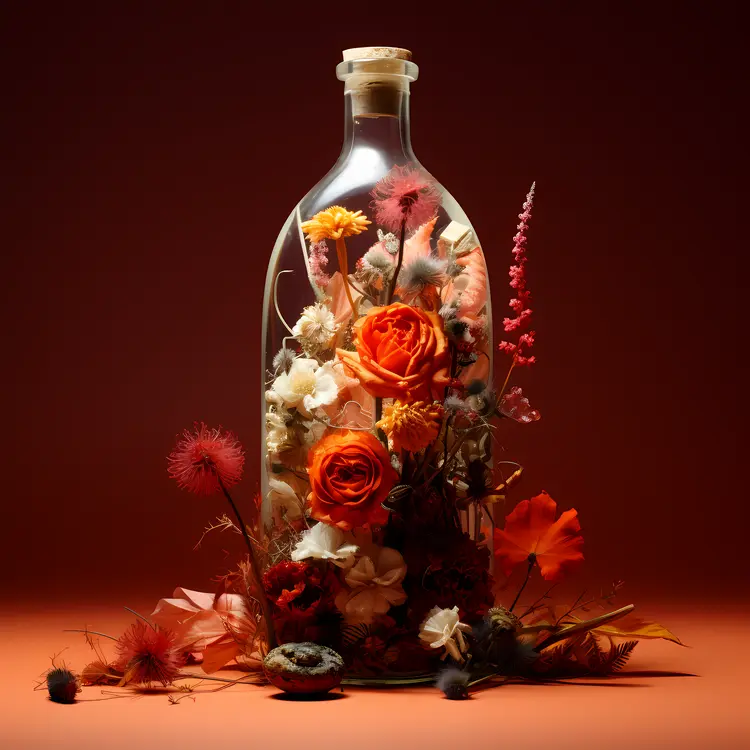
(151, 155)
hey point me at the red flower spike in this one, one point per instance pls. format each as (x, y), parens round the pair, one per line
(531, 529)
(203, 457)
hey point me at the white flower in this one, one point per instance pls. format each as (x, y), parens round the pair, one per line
(316, 327)
(374, 585)
(305, 387)
(324, 542)
(442, 628)
(283, 500)
(278, 435)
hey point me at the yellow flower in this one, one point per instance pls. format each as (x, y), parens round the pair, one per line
(334, 223)
(411, 426)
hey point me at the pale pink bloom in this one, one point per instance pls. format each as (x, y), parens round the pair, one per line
(374, 584)
(318, 261)
(405, 195)
(216, 627)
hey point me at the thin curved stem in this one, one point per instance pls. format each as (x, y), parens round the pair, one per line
(532, 560)
(255, 564)
(399, 261)
(342, 255)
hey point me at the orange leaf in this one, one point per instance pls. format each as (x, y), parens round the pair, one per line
(531, 529)
(634, 627)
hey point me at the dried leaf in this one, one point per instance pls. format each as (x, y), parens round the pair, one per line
(635, 628)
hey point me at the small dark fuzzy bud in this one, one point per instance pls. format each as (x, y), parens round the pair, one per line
(454, 683)
(63, 685)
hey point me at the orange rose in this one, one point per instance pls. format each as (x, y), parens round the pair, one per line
(350, 476)
(402, 353)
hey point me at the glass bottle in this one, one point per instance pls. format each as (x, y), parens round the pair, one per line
(418, 249)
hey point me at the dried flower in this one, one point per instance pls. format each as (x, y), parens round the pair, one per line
(443, 629)
(335, 223)
(411, 427)
(283, 359)
(148, 655)
(389, 241)
(204, 458)
(404, 196)
(375, 267)
(217, 627)
(422, 273)
(63, 685)
(374, 585)
(324, 542)
(520, 303)
(306, 387)
(284, 501)
(317, 262)
(515, 405)
(532, 534)
(99, 672)
(315, 328)
(454, 683)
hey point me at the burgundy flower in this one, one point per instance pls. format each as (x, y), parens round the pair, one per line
(203, 457)
(405, 194)
(445, 570)
(302, 599)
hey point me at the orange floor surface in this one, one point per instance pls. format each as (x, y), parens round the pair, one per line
(668, 697)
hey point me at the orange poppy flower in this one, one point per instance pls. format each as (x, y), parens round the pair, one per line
(532, 534)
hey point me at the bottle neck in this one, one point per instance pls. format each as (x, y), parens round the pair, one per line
(377, 120)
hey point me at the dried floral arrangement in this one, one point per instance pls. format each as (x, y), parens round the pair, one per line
(377, 553)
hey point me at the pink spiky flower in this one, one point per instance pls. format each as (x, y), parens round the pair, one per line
(520, 303)
(147, 655)
(406, 196)
(204, 459)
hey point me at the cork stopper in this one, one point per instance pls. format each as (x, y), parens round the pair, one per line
(370, 53)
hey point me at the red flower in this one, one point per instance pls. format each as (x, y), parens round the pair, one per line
(520, 303)
(147, 655)
(206, 458)
(302, 597)
(405, 194)
(532, 534)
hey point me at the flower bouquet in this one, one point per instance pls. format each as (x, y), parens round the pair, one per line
(381, 547)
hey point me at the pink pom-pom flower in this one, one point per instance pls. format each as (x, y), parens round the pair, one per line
(206, 458)
(404, 196)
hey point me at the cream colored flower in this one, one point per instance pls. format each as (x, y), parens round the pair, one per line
(374, 585)
(442, 628)
(306, 387)
(316, 328)
(285, 503)
(324, 542)
(334, 223)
